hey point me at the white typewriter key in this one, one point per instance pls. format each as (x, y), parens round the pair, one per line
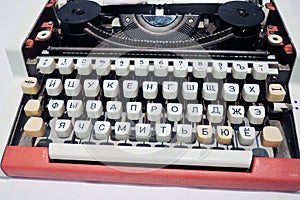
(63, 128)
(54, 86)
(219, 70)
(46, 65)
(65, 65)
(215, 113)
(204, 134)
(122, 130)
(91, 87)
(235, 114)
(111, 88)
(94, 108)
(180, 68)
(174, 111)
(122, 67)
(210, 91)
(199, 68)
(84, 66)
(74, 108)
(184, 133)
(189, 90)
(150, 89)
(194, 112)
(141, 67)
(72, 87)
(102, 130)
(142, 132)
(56, 108)
(230, 91)
(102, 66)
(246, 135)
(163, 132)
(239, 70)
(82, 129)
(170, 89)
(134, 110)
(250, 92)
(260, 71)
(224, 134)
(130, 88)
(114, 109)
(161, 68)
(154, 111)
(256, 114)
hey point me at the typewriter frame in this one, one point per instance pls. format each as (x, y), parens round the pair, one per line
(265, 174)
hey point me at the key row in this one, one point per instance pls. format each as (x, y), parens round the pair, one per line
(175, 111)
(270, 137)
(150, 89)
(160, 67)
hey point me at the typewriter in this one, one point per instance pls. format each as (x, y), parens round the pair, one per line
(198, 94)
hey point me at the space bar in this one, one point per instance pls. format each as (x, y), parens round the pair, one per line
(149, 155)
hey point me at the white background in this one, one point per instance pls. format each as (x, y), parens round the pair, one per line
(11, 15)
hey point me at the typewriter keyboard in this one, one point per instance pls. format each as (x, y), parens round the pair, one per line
(192, 112)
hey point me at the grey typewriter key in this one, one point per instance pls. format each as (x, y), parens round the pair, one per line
(174, 111)
(250, 92)
(194, 112)
(72, 87)
(215, 113)
(122, 67)
(84, 66)
(63, 128)
(235, 114)
(102, 66)
(256, 114)
(180, 68)
(65, 65)
(74, 108)
(46, 65)
(170, 89)
(134, 110)
(53, 86)
(91, 87)
(150, 89)
(114, 109)
(210, 91)
(219, 69)
(163, 132)
(230, 91)
(184, 133)
(94, 109)
(122, 130)
(82, 129)
(189, 90)
(142, 132)
(239, 70)
(102, 130)
(111, 88)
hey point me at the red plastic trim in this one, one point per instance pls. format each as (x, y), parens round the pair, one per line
(267, 173)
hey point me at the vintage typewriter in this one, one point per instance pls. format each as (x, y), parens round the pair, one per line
(188, 94)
